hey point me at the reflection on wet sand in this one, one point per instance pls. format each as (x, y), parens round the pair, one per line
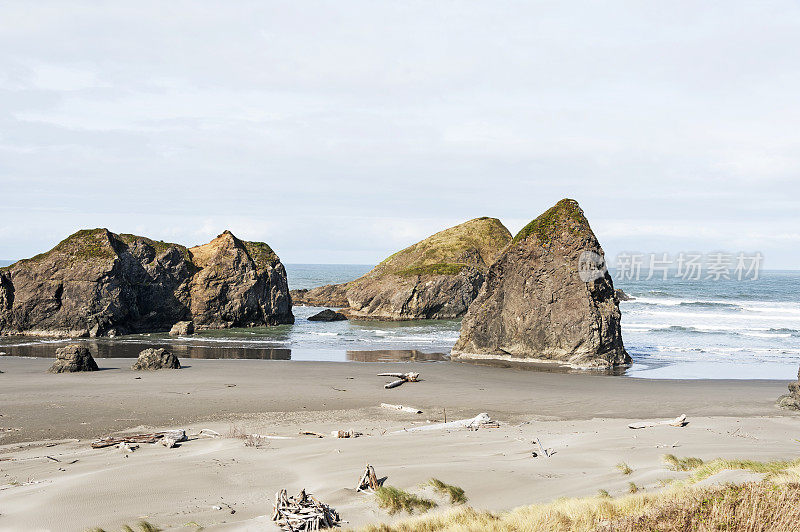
(395, 355)
(543, 367)
(110, 349)
(106, 348)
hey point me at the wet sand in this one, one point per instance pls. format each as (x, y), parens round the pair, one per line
(583, 417)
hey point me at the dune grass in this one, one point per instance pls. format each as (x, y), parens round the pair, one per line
(455, 493)
(681, 464)
(773, 504)
(624, 468)
(394, 500)
(762, 506)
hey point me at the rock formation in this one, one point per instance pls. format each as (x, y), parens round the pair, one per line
(622, 296)
(153, 359)
(182, 328)
(98, 283)
(328, 315)
(547, 297)
(330, 295)
(73, 358)
(792, 399)
(436, 278)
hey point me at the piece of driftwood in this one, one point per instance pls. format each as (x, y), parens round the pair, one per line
(345, 434)
(541, 447)
(481, 420)
(311, 433)
(302, 512)
(410, 376)
(402, 378)
(111, 441)
(269, 437)
(171, 437)
(402, 408)
(679, 421)
(369, 480)
(127, 447)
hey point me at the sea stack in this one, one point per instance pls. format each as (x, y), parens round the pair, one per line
(98, 283)
(547, 297)
(436, 278)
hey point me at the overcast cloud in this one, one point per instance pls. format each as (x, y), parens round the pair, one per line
(342, 131)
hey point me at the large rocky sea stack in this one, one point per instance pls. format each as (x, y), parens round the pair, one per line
(547, 297)
(436, 278)
(98, 283)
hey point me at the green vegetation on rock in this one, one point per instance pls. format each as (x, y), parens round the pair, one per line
(566, 214)
(261, 254)
(86, 244)
(432, 269)
(474, 243)
(158, 245)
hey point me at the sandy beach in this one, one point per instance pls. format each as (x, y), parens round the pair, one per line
(51, 479)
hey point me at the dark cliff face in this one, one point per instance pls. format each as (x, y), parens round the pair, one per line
(96, 283)
(537, 304)
(436, 278)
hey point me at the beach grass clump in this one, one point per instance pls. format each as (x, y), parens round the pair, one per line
(394, 500)
(754, 506)
(761, 506)
(771, 468)
(455, 493)
(773, 504)
(633, 488)
(681, 464)
(603, 493)
(624, 468)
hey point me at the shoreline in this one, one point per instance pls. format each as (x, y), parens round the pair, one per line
(204, 388)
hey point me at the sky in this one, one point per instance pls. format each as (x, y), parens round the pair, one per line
(342, 131)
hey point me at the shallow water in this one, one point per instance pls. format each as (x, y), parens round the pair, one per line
(673, 329)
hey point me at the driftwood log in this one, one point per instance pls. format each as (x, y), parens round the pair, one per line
(302, 512)
(679, 421)
(172, 436)
(402, 408)
(401, 378)
(369, 480)
(345, 434)
(482, 420)
(116, 440)
(311, 433)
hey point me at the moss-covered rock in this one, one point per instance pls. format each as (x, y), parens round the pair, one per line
(436, 278)
(96, 283)
(541, 302)
(566, 215)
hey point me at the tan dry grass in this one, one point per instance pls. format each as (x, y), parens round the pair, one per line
(772, 505)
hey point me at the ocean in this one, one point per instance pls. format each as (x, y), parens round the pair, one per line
(674, 328)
